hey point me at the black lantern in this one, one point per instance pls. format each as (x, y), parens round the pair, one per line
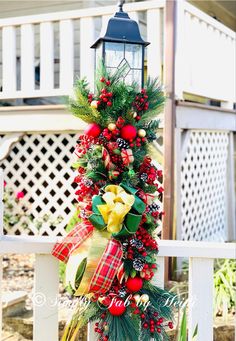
(122, 45)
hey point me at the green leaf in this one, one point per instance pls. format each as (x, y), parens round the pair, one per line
(133, 273)
(195, 332)
(183, 327)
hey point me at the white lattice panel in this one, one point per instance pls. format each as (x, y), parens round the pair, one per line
(40, 165)
(204, 185)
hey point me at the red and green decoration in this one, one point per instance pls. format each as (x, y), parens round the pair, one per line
(110, 254)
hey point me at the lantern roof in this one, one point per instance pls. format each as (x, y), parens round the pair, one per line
(121, 29)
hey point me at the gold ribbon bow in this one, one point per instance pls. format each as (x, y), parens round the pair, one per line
(118, 204)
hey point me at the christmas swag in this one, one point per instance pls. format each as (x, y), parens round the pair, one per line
(110, 254)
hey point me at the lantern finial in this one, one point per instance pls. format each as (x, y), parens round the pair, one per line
(120, 5)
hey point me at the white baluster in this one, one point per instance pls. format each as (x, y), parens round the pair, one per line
(155, 37)
(158, 279)
(1, 233)
(66, 55)
(27, 58)
(45, 297)
(201, 298)
(87, 30)
(134, 16)
(46, 56)
(105, 19)
(9, 60)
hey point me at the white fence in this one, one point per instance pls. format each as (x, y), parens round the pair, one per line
(201, 256)
(205, 50)
(205, 56)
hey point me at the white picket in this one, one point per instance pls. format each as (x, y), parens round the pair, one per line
(66, 54)
(158, 278)
(46, 56)
(1, 259)
(27, 58)
(155, 37)
(45, 298)
(201, 298)
(87, 60)
(105, 19)
(9, 59)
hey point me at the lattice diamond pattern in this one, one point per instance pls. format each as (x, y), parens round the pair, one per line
(203, 186)
(41, 166)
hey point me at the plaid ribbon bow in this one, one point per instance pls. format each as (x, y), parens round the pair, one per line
(105, 268)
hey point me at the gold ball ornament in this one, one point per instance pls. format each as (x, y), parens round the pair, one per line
(100, 299)
(141, 133)
(144, 298)
(111, 126)
(136, 298)
(94, 104)
(135, 114)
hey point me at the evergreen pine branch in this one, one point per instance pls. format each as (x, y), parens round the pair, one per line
(156, 100)
(160, 299)
(80, 107)
(123, 328)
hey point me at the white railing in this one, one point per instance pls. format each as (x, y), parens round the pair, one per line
(205, 50)
(205, 56)
(201, 257)
(70, 36)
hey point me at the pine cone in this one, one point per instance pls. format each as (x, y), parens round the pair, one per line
(87, 182)
(136, 243)
(122, 143)
(153, 208)
(144, 177)
(122, 292)
(138, 264)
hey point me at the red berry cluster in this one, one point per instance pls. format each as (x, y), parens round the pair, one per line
(90, 98)
(120, 122)
(154, 323)
(152, 172)
(104, 80)
(84, 190)
(83, 144)
(109, 135)
(141, 102)
(100, 328)
(137, 142)
(146, 238)
(105, 97)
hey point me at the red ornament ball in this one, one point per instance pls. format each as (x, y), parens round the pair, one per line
(128, 132)
(93, 130)
(117, 307)
(134, 284)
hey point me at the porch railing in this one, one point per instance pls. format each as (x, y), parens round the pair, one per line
(201, 256)
(59, 45)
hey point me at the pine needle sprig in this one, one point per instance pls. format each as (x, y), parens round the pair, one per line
(123, 328)
(156, 100)
(81, 108)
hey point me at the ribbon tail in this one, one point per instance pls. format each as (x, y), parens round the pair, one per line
(107, 268)
(72, 241)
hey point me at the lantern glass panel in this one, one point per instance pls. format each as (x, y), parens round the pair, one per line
(133, 55)
(114, 54)
(134, 76)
